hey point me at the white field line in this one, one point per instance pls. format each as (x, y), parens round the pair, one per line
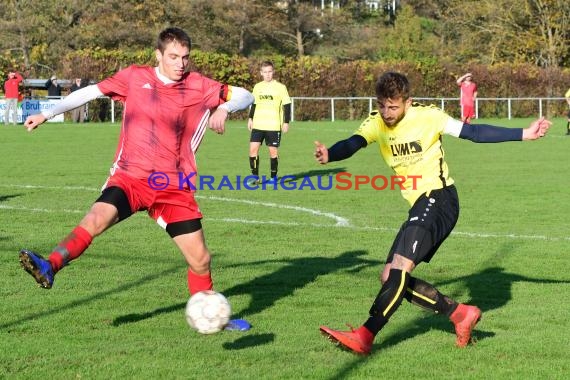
(340, 221)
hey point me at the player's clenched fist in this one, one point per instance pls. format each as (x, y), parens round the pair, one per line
(321, 153)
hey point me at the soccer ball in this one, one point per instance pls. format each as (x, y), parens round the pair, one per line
(208, 312)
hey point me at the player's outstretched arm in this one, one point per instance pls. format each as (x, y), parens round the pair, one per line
(339, 151)
(537, 129)
(483, 133)
(73, 100)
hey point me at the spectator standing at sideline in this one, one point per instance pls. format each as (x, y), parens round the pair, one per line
(468, 95)
(78, 114)
(53, 87)
(11, 94)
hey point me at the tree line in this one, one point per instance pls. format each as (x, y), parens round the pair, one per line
(40, 32)
(321, 48)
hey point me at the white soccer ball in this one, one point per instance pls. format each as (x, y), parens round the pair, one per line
(208, 312)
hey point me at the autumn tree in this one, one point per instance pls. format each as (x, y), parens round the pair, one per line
(491, 31)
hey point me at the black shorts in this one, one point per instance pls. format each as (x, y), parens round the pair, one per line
(430, 221)
(272, 138)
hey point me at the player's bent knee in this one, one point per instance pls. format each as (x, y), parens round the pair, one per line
(385, 273)
(402, 263)
(198, 260)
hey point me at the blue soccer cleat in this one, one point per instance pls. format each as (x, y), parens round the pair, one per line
(238, 325)
(38, 267)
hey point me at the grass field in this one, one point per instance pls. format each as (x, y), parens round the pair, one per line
(288, 261)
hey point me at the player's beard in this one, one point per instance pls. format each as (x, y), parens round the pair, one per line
(393, 121)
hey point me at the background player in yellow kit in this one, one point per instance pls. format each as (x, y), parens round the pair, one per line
(269, 116)
(409, 136)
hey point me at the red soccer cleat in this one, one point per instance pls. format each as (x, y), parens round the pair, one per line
(465, 317)
(358, 341)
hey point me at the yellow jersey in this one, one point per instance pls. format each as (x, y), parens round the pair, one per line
(412, 148)
(269, 100)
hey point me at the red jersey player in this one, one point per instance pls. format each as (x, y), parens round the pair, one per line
(467, 97)
(166, 113)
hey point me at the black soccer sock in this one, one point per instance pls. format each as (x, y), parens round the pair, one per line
(274, 165)
(388, 300)
(568, 127)
(426, 296)
(254, 165)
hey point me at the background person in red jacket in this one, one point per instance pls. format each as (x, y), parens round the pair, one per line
(12, 92)
(468, 96)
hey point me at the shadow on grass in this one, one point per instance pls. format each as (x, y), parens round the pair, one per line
(295, 274)
(489, 289)
(314, 173)
(268, 289)
(250, 340)
(137, 317)
(4, 198)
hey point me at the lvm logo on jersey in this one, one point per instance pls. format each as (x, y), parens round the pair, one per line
(406, 148)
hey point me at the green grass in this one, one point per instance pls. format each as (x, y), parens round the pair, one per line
(285, 265)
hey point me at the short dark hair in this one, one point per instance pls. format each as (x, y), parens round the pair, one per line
(267, 64)
(169, 35)
(392, 85)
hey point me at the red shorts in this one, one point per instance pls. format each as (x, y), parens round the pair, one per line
(468, 112)
(165, 206)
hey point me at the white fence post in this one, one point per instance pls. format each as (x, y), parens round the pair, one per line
(292, 109)
(476, 108)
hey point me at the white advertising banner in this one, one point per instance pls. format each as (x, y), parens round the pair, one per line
(29, 107)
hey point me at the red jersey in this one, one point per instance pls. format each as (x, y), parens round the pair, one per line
(468, 90)
(163, 124)
(11, 90)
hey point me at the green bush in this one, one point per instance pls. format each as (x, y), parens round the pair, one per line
(314, 76)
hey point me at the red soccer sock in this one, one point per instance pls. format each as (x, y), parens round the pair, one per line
(70, 248)
(199, 282)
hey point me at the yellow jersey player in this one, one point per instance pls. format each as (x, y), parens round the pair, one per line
(409, 136)
(269, 116)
